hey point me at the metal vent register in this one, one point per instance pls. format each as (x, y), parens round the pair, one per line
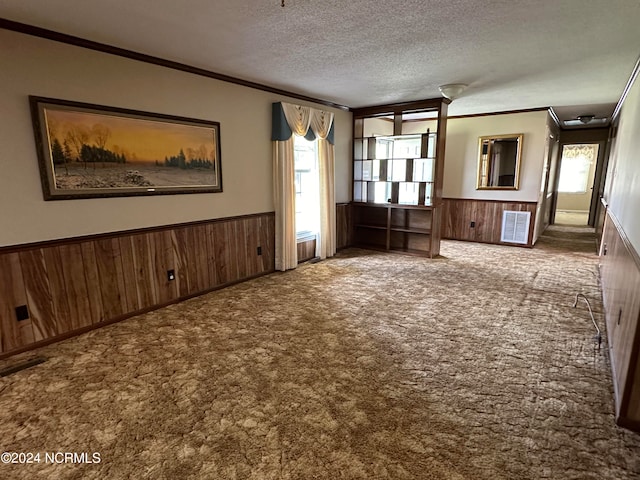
(515, 226)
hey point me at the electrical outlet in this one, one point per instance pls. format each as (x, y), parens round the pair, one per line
(259, 250)
(473, 224)
(171, 275)
(22, 312)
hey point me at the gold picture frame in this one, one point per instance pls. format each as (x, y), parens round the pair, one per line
(499, 162)
(94, 151)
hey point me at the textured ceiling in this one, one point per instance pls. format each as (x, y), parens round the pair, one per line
(514, 54)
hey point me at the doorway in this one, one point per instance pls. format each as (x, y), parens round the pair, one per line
(578, 164)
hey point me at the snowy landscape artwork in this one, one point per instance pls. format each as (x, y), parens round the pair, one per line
(95, 151)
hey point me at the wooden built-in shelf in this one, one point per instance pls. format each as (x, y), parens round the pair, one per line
(408, 251)
(400, 206)
(419, 231)
(375, 227)
(392, 227)
(398, 176)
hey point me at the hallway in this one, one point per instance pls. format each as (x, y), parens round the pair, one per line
(564, 217)
(570, 238)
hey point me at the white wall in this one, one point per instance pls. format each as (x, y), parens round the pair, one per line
(419, 127)
(622, 191)
(374, 127)
(34, 66)
(461, 158)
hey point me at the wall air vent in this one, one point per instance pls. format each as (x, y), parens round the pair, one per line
(515, 227)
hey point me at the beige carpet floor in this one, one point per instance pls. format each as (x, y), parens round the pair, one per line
(366, 366)
(564, 217)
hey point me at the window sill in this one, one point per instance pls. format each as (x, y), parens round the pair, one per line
(305, 237)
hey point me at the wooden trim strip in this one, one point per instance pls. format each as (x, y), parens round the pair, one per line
(506, 112)
(403, 107)
(488, 114)
(614, 375)
(100, 236)
(5, 372)
(141, 57)
(508, 244)
(632, 78)
(555, 118)
(629, 424)
(523, 202)
(120, 318)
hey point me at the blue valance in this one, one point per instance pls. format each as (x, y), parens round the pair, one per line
(331, 136)
(281, 131)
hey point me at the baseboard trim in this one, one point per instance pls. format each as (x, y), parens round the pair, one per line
(628, 424)
(521, 245)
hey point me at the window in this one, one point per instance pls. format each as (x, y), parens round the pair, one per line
(307, 187)
(575, 168)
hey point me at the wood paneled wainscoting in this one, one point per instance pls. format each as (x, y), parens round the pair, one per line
(620, 279)
(306, 250)
(67, 287)
(344, 225)
(460, 214)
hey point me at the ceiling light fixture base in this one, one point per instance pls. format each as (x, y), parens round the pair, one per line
(452, 90)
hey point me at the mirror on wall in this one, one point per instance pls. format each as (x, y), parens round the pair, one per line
(499, 158)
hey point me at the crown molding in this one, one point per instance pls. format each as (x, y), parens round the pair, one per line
(142, 57)
(505, 112)
(625, 91)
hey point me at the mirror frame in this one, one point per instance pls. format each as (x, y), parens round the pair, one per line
(481, 140)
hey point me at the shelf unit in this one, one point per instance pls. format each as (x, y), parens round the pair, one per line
(382, 175)
(397, 176)
(392, 227)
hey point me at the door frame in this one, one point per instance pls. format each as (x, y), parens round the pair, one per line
(584, 136)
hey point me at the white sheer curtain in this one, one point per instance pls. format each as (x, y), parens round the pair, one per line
(576, 167)
(496, 158)
(284, 193)
(299, 119)
(321, 125)
(589, 150)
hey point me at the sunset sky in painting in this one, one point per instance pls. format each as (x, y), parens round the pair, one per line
(148, 140)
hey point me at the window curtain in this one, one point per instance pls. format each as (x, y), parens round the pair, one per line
(287, 120)
(321, 124)
(581, 150)
(496, 158)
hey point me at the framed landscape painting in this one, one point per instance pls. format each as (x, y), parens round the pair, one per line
(87, 151)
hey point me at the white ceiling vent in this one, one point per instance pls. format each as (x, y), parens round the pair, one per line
(515, 226)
